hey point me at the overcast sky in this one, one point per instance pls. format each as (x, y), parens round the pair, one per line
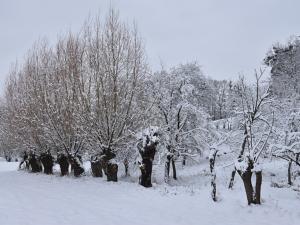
(226, 37)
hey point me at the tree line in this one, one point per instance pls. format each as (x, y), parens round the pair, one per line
(92, 96)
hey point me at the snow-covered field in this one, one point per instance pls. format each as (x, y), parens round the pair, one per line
(37, 199)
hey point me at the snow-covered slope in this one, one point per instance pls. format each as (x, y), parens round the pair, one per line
(37, 199)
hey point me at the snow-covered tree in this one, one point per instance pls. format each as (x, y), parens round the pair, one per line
(117, 67)
(287, 144)
(284, 61)
(256, 131)
(178, 99)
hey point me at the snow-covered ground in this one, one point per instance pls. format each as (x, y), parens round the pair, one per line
(37, 199)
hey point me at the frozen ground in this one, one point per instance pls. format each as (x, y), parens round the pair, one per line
(37, 199)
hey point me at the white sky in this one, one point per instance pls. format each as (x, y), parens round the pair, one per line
(226, 37)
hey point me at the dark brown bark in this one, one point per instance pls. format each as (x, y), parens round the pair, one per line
(47, 161)
(167, 168)
(231, 182)
(252, 197)
(126, 166)
(96, 166)
(290, 173)
(258, 187)
(110, 168)
(24, 160)
(112, 172)
(174, 169)
(147, 155)
(34, 163)
(184, 160)
(76, 165)
(146, 172)
(63, 162)
(213, 178)
(246, 177)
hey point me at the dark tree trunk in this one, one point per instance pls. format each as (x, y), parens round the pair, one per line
(258, 186)
(63, 162)
(96, 166)
(78, 170)
(167, 168)
(24, 160)
(147, 154)
(290, 173)
(231, 182)
(47, 161)
(214, 188)
(76, 165)
(126, 166)
(174, 169)
(34, 163)
(246, 177)
(112, 172)
(110, 168)
(8, 158)
(184, 160)
(146, 170)
(252, 197)
(212, 161)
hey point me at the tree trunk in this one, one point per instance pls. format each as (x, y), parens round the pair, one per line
(110, 168)
(246, 177)
(34, 163)
(213, 176)
(252, 197)
(174, 169)
(146, 173)
(258, 187)
(76, 165)
(96, 167)
(167, 168)
(290, 173)
(47, 161)
(63, 162)
(25, 160)
(112, 172)
(214, 187)
(126, 166)
(147, 153)
(184, 160)
(231, 182)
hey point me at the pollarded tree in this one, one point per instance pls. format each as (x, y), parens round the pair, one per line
(117, 66)
(44, 99)
(146, 146)
(64, 100)
(23, 111)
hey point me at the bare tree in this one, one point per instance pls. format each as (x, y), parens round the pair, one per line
(254, 121)
(117, 66)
